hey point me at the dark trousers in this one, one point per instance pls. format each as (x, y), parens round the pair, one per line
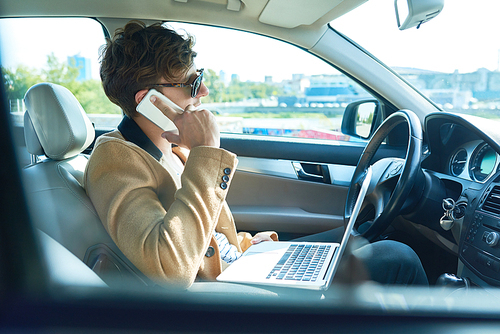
(385, 262)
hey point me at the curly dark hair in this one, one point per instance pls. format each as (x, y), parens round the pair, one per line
(138, 57)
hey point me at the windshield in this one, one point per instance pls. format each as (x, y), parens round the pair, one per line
(453, 59)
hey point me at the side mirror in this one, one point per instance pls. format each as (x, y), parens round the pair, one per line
(361, 118)
(411, 13)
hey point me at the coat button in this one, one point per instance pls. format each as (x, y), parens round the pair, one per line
(225, 178)
(210, 252)
(227, 171)
(223, 185)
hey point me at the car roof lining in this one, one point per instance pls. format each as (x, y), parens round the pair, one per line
(265, 11)
(260, 16)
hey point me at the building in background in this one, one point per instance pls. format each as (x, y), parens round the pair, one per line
(83, 66)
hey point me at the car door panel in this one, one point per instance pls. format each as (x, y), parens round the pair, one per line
(268, 191)
(270, 194)
(263, 202)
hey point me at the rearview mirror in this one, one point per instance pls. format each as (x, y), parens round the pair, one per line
(411, 13)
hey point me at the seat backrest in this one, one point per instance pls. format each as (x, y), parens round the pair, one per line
(64, 268)
(57, 131)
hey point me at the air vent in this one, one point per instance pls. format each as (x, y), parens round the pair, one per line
(492, 203)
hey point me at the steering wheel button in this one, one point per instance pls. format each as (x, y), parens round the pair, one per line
(397, 169)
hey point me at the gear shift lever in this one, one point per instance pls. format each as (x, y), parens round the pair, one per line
(452, 281)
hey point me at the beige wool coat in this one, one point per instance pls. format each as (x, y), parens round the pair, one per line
(162, 222)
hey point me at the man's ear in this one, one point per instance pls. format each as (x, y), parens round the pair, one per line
(140, 95)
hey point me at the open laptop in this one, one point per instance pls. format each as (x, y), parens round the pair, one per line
(307, 265)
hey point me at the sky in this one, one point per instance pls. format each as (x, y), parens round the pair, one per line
(463, 37)
(31, 47)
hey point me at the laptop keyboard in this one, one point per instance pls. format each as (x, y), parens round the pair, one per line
(300, 263)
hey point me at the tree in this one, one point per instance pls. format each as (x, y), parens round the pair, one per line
(89, 92)
(18, 81)
(92, 98)
(215, 86)
(60, 73)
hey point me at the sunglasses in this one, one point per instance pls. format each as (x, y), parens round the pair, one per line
(195, 86)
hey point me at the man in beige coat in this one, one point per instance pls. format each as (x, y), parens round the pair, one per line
(162, 195)
(160, 207)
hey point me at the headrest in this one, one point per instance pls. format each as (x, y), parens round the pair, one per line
(56, 124)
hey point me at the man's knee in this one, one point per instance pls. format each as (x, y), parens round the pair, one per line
(392, 262)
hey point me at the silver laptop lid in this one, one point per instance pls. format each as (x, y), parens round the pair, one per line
(350, 225)
(256, 263)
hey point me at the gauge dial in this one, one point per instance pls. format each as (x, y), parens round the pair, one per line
(483, 162)
(458, 161)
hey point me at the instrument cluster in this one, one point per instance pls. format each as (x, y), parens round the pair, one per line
(475, 161)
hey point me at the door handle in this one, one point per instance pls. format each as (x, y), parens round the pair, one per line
(312, 172)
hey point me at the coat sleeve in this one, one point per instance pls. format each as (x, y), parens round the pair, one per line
(166, 244)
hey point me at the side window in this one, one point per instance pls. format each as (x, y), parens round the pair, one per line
(262, 86)
(64, 51)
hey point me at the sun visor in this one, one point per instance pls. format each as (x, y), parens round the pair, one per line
(233, 5)
(293, 13)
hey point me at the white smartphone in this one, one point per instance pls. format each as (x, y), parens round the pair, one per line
(149, 110)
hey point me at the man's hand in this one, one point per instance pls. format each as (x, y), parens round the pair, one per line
(196, 127)
(260, 237)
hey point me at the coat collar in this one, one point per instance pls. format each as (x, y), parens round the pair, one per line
(133, 133)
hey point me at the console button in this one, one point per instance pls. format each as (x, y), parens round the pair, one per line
(492, 239)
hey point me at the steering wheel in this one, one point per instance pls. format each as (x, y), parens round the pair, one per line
(387, 199)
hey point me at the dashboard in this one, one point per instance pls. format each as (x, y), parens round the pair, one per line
(462, 149)
(463, 154)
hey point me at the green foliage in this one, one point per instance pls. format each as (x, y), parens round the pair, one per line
(215, 85)
(19, 80)
(92, 98)
(88, 92)
(59, 72)
(367, 120)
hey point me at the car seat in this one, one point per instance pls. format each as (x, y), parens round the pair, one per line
(57, 131)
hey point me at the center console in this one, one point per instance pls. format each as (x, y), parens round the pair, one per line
(480, 239)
